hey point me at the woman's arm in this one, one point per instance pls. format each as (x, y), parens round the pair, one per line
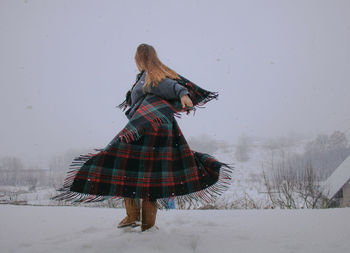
(169, 89)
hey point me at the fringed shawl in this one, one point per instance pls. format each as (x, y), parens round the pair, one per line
(154, 110)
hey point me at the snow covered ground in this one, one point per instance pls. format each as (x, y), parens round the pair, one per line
(83, 229)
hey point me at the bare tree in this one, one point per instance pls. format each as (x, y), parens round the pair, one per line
(288, 188)
(309, 189)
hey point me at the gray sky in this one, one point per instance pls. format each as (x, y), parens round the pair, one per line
(279, 67)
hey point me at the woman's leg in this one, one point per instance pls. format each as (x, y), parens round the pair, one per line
(149, 213)
(132, 213)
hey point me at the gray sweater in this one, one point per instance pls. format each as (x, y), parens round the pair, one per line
(168, 89)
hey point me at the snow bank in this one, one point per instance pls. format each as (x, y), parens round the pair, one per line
(78, 229)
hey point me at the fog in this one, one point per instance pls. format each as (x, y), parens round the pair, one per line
(280, 67)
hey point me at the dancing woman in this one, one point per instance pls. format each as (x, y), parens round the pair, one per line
(149, 163)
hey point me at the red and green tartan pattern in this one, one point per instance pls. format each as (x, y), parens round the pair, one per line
(151, 114)
(157, 166)
(149, 159)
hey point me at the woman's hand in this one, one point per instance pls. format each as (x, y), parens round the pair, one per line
(186, 103)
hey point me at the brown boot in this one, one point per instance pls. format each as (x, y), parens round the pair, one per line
(132, 218)
(149, 213)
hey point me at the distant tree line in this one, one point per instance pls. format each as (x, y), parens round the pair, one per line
(14, 173)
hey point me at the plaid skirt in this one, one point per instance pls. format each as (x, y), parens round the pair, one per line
(159, 166)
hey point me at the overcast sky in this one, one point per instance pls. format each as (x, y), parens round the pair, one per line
(279, 67)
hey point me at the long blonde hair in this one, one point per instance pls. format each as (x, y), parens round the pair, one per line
(146, 59)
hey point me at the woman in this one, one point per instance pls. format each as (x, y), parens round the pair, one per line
(149, 160)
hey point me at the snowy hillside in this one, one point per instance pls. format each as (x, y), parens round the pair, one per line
(79, 229)
(247, 177)
(248, 189)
